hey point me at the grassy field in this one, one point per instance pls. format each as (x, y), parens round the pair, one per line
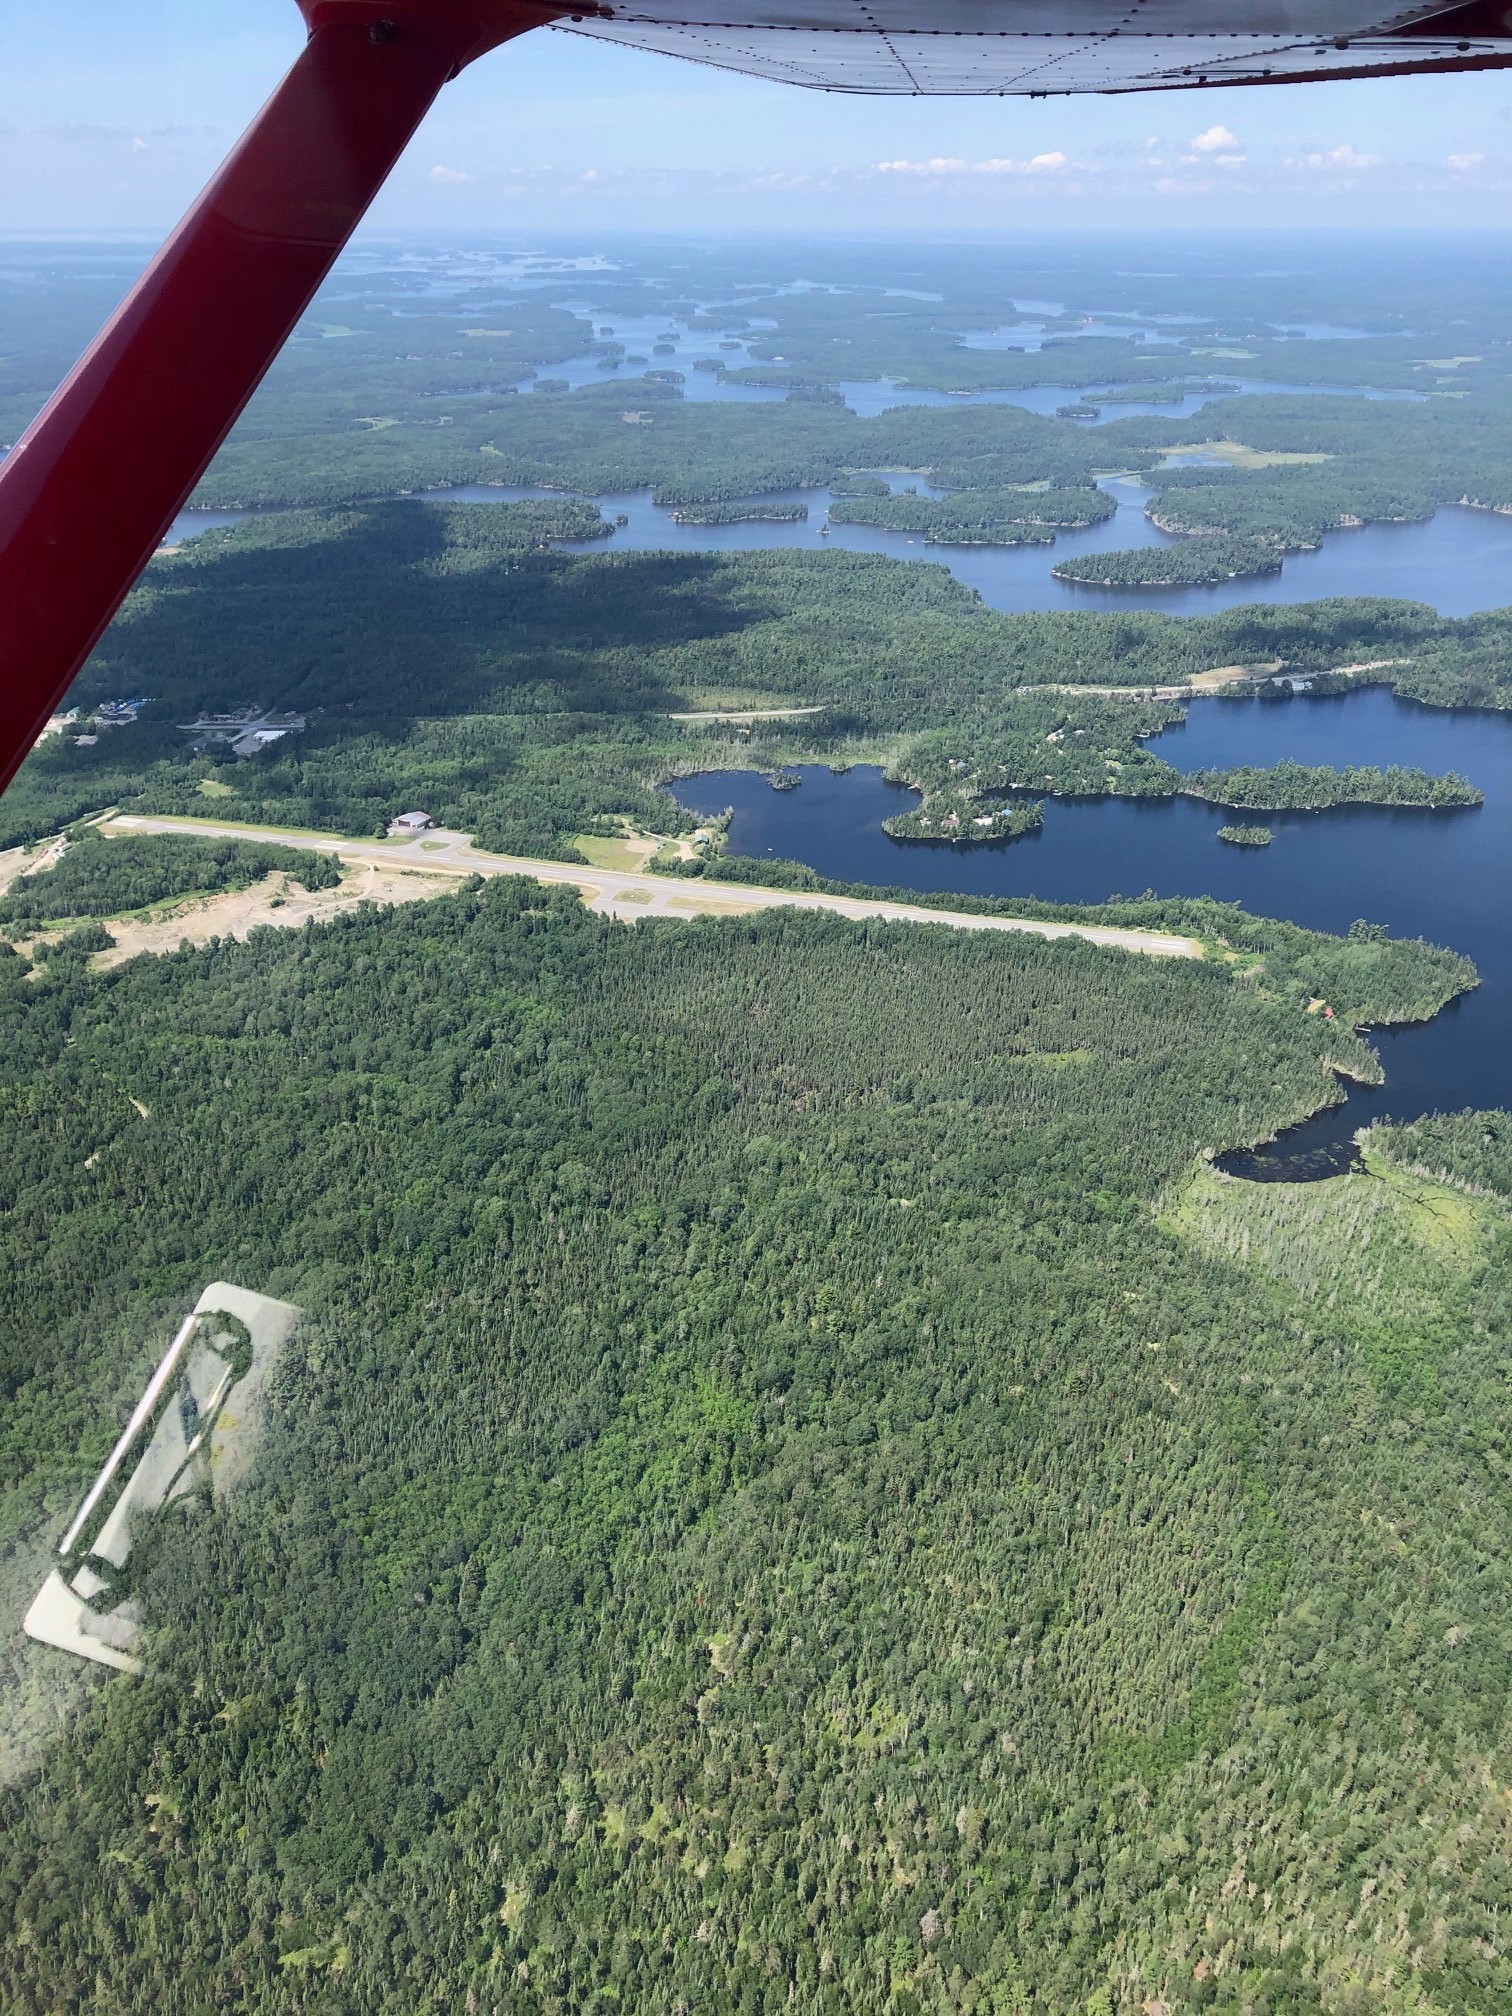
(1383, 1255)
(1239, 456)
(629, 852)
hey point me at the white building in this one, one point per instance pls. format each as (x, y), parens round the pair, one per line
(256, 740)
(412, 822)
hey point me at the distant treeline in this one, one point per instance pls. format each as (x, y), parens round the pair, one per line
(446, 660)
(685, 451)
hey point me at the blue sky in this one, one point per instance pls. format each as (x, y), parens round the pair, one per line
(111, 116)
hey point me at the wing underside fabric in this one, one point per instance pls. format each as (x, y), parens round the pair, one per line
(1022, 47)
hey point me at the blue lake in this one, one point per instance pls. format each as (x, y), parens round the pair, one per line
(1442, 876)
(1458, 561)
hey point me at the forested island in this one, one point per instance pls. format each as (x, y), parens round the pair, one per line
(977, 518)
(1246, 836)
(1185, 564)
(1291, 506)
(1302, 787)
(965, 822)
(755, 511)
(1166, 392)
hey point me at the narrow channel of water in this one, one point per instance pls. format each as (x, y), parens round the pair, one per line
(1458, 561)
(1446, 877)
(867, 398)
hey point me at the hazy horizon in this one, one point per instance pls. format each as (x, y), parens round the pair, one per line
(115, 124)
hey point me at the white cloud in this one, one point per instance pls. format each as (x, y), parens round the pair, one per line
(1216, 148)
(1340, 160)
(940, 165)
(1463, 163)
(442, 174)
(995, 164)
(138, 144)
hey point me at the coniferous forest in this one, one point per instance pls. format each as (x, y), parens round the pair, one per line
(792, 1493)
(804, 1485)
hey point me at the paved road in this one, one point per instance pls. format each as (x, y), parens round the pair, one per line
(628, 894)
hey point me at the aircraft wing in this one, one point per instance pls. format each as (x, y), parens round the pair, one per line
(1022, 48)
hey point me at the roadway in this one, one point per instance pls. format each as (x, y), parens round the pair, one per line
(635, 895)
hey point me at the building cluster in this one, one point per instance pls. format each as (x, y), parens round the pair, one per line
(247, 731)
(119, 713)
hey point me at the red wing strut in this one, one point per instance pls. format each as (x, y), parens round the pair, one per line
(96, 480)
(98, 477)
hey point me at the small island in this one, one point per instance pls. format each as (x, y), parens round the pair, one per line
(1166, 391)
(1001, 517)
(1304, 787)
(754, 511)
(1195, 563)
(963, 822)
(1246, 836)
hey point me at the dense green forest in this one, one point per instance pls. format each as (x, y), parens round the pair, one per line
(1470, 1149)
(609, 438)
(1374, 460)
(876, 1548)
(803, 1487)
(1404, 980)
(548, 678)
(96, 877)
